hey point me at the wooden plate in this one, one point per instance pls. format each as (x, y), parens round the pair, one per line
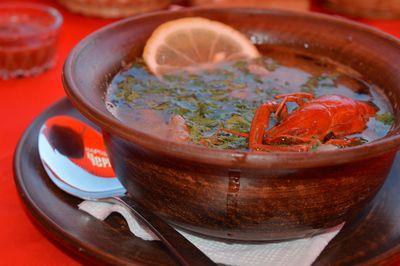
(373, 238)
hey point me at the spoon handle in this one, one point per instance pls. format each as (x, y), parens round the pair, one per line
(183, 250)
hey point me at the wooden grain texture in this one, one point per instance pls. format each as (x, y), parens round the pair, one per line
(371, 238)
(236, 194)
(268, 204)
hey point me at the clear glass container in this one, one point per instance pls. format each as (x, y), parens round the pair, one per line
(28, 39)
(113, 8)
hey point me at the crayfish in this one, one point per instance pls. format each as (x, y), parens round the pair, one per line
(326, 119)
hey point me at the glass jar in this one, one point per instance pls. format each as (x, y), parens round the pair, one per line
(28, 39)
(113, 8)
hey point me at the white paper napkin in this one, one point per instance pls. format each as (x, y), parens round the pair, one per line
(301, 252)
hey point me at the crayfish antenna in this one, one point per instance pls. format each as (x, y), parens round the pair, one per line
(297, 97)
(241, 134)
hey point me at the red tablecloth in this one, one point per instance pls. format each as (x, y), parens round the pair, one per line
(21, 101)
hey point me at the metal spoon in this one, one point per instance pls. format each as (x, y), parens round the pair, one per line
(74, 157)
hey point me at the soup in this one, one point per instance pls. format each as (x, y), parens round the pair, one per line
(205, 106)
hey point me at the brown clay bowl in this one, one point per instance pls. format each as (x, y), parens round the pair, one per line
(242, 195)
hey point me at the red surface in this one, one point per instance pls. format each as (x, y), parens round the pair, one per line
(21, 243)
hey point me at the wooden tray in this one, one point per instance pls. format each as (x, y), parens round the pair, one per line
(373, 238)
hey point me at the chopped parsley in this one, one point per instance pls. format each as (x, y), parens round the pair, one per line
(386, 118)
(223, 97)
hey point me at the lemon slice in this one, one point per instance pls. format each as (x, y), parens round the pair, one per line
(192, 43)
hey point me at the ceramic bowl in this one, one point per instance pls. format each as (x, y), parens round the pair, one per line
(233, 194)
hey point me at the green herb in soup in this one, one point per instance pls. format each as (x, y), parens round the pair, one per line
(215, 107)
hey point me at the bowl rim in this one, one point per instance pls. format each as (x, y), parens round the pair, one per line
(231, 158)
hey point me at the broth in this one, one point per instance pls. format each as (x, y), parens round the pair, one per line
(228, 95)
